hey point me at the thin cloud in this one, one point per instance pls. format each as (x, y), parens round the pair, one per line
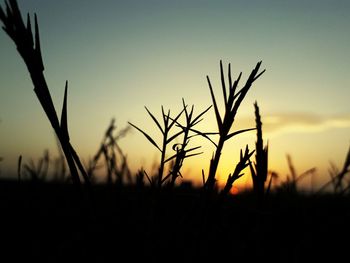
(297, 123)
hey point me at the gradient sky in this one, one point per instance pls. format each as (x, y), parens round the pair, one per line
(120, 56)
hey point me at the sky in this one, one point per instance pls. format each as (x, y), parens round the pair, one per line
(120, 56)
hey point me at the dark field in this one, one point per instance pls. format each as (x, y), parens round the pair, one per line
(58, 222)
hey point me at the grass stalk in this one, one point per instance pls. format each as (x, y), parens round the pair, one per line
(114, 158)
(28, 46)
(232, 101)
(182, 151)
(168, 124)
(238, 172)
(259, 170)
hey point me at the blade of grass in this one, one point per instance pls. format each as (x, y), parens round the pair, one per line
(64, 121)
(149, 138)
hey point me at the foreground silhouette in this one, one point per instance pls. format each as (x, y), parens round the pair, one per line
(161, 221)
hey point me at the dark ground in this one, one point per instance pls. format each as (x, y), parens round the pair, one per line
(56, 223)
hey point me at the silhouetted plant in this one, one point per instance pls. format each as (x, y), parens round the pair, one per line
(290, 185)
(238, 172)
(115, 159)
(181, 148)
(35, 172)
(259, 170)
(168, 124)
(140, 179)
(338, 177)
(60, 170)
(232, 101)
(1, 159)
(19, 165)
(28, 46)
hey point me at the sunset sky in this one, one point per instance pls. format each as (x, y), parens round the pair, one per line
(119, 56)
